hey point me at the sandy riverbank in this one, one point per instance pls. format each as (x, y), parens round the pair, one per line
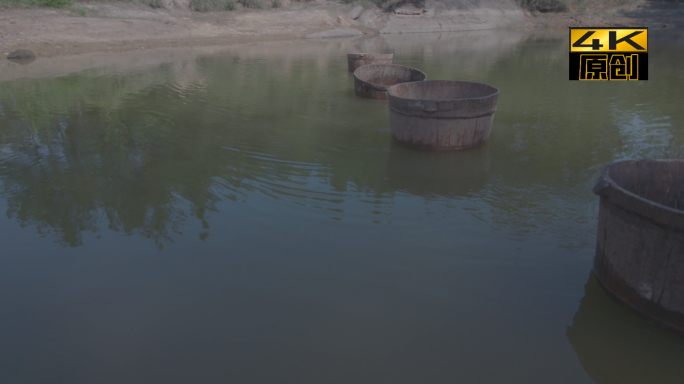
(120, 27)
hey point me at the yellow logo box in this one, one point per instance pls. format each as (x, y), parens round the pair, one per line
(608, 39)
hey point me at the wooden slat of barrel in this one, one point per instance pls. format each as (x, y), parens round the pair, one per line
(439, 134)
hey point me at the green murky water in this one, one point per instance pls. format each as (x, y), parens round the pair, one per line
(239, 216)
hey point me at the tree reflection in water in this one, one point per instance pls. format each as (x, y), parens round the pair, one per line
(80, 153)
(143, 151)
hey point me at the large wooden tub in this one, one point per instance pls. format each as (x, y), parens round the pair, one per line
(356, 60)
(442, 114)
(371, 81)
(640, 246)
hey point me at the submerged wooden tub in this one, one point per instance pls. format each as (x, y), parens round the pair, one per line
(442, 114)
(356, 60)
(640, 246)
(371, 81)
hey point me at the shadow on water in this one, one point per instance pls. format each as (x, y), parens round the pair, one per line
(617, 346)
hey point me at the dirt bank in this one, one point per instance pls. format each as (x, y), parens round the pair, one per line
(119, 27)
(616, 13)
(127, 27)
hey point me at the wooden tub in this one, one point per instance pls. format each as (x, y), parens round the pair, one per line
(442, 114)
(640, 245)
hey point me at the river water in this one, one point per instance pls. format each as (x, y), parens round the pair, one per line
(236, 215)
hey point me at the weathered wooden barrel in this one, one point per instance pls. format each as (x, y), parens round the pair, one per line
(640, 247)
(356, 60)
(372, 80)
(442, 114)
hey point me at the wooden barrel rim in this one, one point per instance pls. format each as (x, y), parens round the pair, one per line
(435, 107)
(668, 217)
(498, 91)
(442, 117)
(380, 87)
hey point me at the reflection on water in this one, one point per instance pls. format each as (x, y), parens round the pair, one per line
(281, 120)
(438, 173)
(325, 238)
(617, 346)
